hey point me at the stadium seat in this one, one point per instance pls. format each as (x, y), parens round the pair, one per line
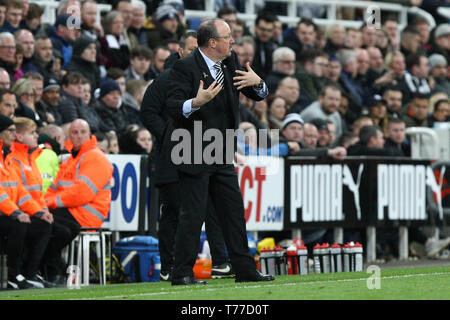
(84, 240)
(193, 23)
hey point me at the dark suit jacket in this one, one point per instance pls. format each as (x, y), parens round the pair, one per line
(223, 110)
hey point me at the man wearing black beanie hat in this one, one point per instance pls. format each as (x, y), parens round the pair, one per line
(7, 130)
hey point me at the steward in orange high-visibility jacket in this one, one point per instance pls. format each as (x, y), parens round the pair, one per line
(83, 185)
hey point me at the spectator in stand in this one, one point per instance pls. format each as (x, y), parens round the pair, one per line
(26, 93)
(383, 42)
(113, 46)
(289, 89)
(135, 139)
(43, 57)
(416, 114)
(132, 100)
(390, 26)
(140, 59)
(323, 133)
(89, 26)
(441, 112)
(18, 57)
(113, 117)
(86, 98)
(378, 112)
(283, 65)
(277, 36)
(137, 22)
(416, 80)
(8, 103)
(3, 5)
(377, 75)
(47, 107)
(441, 40)
(347, 139)
(264, 46)
(5, 81)
(362, 65)
(26, 39)
(410, 42)
(102, 142)
(113, 142)
(371, 143)
(332, 133)
(276, 111)
(438, 74)
(348, 78)
(120, 77)
(245, 50)
(7, 53)
(32, 21)
(126, 9)
(302, 37)
(395, 62)
(85, 201)
(310, 135)
(369, 36)
(336, 38)
(62, 37)
(393, 97)
(325, 107)
(396, 138)
(423, 26)
(13, 16)
(333, 72)
(353, 38)
(230, 16)
(38, 81)
(84, 60)
(157, 63)
(165, 24)
(361, 122)
(72, 107)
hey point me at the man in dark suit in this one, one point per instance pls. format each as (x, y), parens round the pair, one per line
(154, 116)
(203, 96)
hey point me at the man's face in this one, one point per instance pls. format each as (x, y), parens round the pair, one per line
(306, 34)
(90, 53)
(8, 135)
(8, 50)
(44, 49)
(5, 81)
(28, 137)
(443, 112)
(363, 62)
(338, 35)
(39, 85)
(334, 70)
(8, 105)
(353, 39)
(223, 45)
(423, 69)
(112, 99)
(170, 25)
(375, 59)
(264, 30)
(26, 39)
(391, 28)
(439, 71)
(396, 132)
(89, 14)
(289, 89)
(2, 15)
(14, 16)
(74, 89)
(230, 19)
(398, 65)
(189, 46)
(248, 53)
(79, 133)
(330, 101)
(411, 42)
(419, 107)
(443, 41)
(277, 30)
(137, 19)
(69, 33)
(159, 59)
(122, 84)
(394, 100)
(285, 65)
(140, 64)
(311, 135)
(323, 138)
(424, 31)
(126, 9)
(319, 66)
(378, 142)
(293, 132)
(370, 36)
(51, 96)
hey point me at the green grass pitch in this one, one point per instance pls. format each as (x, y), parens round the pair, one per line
(403, 284)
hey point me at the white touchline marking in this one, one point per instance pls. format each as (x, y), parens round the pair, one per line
(224, 287)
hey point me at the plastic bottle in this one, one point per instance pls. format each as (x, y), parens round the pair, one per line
(325, 258)
(292, 259)
(317, 257)
(267, 261)
(358, 253)
(336, 258)
(302, 253)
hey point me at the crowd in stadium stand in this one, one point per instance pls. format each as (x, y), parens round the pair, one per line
(333, 91)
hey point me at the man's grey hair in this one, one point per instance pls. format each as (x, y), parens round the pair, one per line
(281, 52)
(139, 5)
(346, 56)
(6, 35)
(109, 19)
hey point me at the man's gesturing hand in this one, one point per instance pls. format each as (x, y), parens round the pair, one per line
(247, 78)
(204, 96)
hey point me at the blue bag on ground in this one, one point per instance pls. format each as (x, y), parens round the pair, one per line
(139, 256)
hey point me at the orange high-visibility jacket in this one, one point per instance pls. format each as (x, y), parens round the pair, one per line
(22, 160)
(14, 198)
(83, 185)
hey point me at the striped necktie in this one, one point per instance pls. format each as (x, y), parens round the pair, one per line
(219, 73)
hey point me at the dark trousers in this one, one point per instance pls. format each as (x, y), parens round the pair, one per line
(15, 232)
(36, 242)
(65, 229)
(221, 183)
(168, 222)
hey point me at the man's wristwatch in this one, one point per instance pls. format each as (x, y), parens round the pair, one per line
(260, 85)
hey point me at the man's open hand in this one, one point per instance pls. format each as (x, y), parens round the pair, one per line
(247, 78)
(205, 95)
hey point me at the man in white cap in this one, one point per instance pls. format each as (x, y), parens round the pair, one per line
(438, 67)
(441, 43)
(163, 27)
